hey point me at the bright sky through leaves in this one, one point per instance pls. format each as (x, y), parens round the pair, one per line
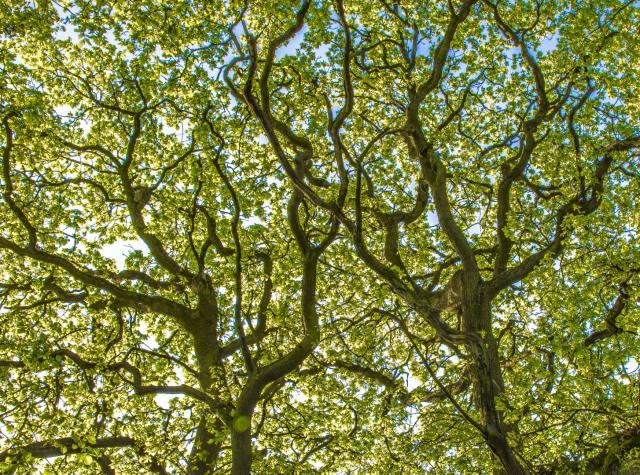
(309, 236)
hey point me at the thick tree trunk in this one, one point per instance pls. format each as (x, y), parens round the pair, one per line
(208, 441)
(241, 446)
(485, 388)
(487, 374)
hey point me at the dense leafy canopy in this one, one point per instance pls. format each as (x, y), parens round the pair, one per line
(322, 237)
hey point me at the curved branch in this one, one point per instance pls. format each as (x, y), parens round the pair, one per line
(139, 388)
(134, 299)
(8, 183)
(577, 206)
(67, 446)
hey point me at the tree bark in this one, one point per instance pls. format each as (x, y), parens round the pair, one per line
(241, 447)
(487, 374)
(207, 443)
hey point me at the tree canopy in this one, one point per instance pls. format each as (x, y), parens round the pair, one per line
(342, 237)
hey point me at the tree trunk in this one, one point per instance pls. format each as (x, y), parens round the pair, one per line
(487, 374)
(241, 446)
(207, 443)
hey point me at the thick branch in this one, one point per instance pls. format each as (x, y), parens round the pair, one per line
(577, 206)
(67, 446)
(134, 299)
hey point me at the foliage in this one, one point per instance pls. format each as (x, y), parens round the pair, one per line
(328, 237)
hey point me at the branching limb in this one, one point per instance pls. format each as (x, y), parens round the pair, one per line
(68, 446)
(579, 205)
(613, 313)
(8, 183)
(156, 303)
